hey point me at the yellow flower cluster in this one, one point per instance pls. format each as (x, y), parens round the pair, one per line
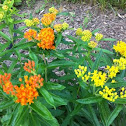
(5, 7)
(33, 22)
(99, 78)
(53, 10)
(121, 48)
(1, 15)
(112, 71)
(109, 94)
(86, 35)
(59, 27)
(81, 71)
(123, 93)
(48, 18)
(120, 63)
(92, 44)
(65, 26)
(98, 36)
(79, 32)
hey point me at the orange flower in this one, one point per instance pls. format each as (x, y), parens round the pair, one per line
(25, 94)
(30, 34)
(6, 84)
(46, 36)
(48, 18)
(30, 66)
(34, 81)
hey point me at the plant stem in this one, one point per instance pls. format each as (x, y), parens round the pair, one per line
(45, 68)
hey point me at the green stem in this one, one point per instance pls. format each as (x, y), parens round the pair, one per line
(45, 68)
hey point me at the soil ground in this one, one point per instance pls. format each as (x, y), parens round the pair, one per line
(112, 22)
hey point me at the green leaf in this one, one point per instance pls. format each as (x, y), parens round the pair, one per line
(5, 36)
(58, 100)
(104, 110)
(89, 100)
(95, 31)
(48, 97)
(60, 63)
(40, 109)
(104, 50)
(18, 21)
(4, 46)
(54, 86)
(114, 114)
(109, 39)
(115, 85)
(59, 37)
(25, 45)
(97, 62)
(6, 104)
(11, 67)
(120, 101)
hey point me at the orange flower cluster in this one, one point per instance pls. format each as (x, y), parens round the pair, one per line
(48, 18)
(25, 94)
(30, 66)
(6, 84)
(46, 36)
(30, 34)
(34, 81)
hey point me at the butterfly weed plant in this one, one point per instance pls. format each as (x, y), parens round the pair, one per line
(91, 91)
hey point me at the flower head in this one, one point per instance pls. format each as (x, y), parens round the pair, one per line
(46, 38)
(30, 66)
(53, 10)
(30, 34)
(98, 36)
(5, 7)
(58, 27)
(79, 32)
(86, 35)
(48, 18)
(92, 44)
(35, 21)
(65, 26)
(28, 22)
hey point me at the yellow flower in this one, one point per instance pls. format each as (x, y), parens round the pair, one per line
(35, 21)
(53, 10)
(5, 7)
(98, 36)
(79, 32)
(113, 81)
(109, 94)
(86, 35)
(58, 27)
(92, 44)
(48, 18)
(99, 78)
(1, 15)
(112, 71)
(121, 48)
(120, 63)
(65, 26)
(28, 22)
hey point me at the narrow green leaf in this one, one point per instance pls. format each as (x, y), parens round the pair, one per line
(89, 100)
(48, 97)
(109, 39)
(13, 64)
(59, 37)
(4, 46)
(120, 101)
(40, 109)
(114, 114)
(6, 104)
(115, 85)
(54, 86)
(5, 36)
(97, 62)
